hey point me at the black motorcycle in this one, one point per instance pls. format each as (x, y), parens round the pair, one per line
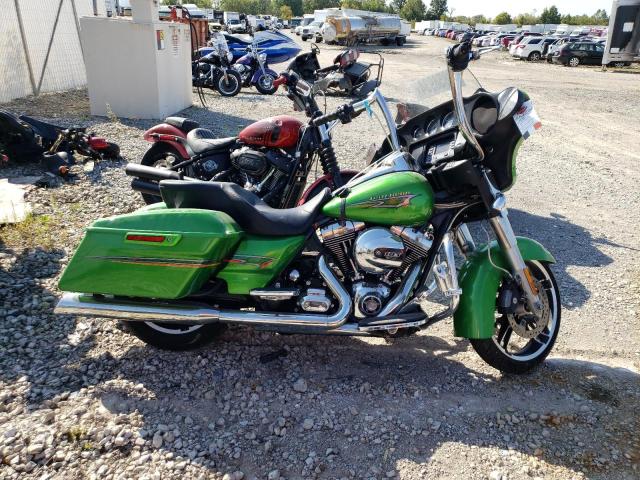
(346, 75)
(25, 138)
(214, 71)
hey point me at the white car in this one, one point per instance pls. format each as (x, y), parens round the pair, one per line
(311, 31)
(530, 48)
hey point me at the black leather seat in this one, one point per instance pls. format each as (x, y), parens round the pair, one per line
(181, 123)
(201, 140)
(247, 209)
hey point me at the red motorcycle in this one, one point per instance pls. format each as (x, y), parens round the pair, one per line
(271, 157)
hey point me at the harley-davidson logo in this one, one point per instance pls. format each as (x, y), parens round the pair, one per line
(394, 200)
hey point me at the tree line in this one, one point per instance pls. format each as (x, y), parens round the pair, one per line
(413, 10)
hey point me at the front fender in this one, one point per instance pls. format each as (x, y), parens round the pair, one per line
(479, 280)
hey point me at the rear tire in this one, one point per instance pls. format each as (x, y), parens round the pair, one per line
(495, 353)
(158, 156)
(534, 56)
(231, 87)
(168, 336)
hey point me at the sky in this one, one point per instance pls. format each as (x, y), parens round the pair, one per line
(493, 7)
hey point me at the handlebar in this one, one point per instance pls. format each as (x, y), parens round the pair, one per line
(345, 113)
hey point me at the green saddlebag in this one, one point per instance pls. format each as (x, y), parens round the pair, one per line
(153, 253)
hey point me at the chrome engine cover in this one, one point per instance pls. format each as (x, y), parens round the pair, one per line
(369, 298)
(377, 251)
(315, 300)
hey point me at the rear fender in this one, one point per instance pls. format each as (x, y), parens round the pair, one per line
(480, 281)
(165, 133)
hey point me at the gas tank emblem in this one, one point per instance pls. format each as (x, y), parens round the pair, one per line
(394, 200)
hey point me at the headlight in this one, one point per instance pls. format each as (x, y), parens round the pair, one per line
(229, 56)
(262, 57)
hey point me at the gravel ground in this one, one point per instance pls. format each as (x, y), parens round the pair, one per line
(82, 398)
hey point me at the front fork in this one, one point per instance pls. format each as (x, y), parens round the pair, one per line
(501, 225)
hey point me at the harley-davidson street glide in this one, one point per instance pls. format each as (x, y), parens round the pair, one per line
(366, 259)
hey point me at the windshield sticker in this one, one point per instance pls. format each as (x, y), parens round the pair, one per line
(527, 119)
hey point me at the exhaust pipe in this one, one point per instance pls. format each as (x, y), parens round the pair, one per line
(145, 187)
(152, 173)
(192, 313)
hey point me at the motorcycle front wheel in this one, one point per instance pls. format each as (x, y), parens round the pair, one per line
(265, 86)
(230, 86)
(518, 344)
(169, 336)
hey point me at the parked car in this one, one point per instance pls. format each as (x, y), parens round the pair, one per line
(533, 48)
(582, 53)
(557, 45)
(506, 40)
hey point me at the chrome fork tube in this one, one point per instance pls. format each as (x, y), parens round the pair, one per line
(464, 240)
(509, 246)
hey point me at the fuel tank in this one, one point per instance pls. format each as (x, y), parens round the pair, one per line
(397, 198)
(282, 131)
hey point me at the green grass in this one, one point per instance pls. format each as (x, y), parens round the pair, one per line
(35, 231)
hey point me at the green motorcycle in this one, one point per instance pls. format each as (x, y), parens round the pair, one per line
(374, 257)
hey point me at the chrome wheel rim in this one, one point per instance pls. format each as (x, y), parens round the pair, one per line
(574, 62)
(522, 349)
(173, 329)
(266, 82)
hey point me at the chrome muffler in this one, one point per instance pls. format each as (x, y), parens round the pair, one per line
(193, 313)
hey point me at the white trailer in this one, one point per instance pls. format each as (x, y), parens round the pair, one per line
(424, 25)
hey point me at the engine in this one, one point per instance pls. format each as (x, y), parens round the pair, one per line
(373, 259)
(265, 171)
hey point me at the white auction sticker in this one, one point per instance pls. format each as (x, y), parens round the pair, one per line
(527, 119)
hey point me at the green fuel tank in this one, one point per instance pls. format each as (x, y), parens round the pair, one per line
(398, 198)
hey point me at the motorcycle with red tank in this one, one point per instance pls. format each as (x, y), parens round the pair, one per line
(271, 157)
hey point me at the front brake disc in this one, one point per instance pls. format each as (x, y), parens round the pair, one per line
(526, 325)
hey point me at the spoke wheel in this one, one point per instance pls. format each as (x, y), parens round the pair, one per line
(574, 61)
(520, 341)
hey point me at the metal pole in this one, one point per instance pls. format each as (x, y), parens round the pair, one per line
(46, 57)
(24, 46)
(75, 18)
(95, 8)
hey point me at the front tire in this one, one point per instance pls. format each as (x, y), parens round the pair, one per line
(265, 86)
(573, 62)
(168, 336)
(499, 351)
(231, 86)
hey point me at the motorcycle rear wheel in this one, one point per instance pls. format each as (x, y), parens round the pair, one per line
(158, 156)
(499, 352)
(168, 336)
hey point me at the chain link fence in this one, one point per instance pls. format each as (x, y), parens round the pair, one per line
(40, 47)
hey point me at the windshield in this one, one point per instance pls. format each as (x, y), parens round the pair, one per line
(432, 88)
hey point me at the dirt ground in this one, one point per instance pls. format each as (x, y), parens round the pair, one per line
(101, 404)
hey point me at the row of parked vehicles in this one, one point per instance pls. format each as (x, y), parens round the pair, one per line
(568, 50)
